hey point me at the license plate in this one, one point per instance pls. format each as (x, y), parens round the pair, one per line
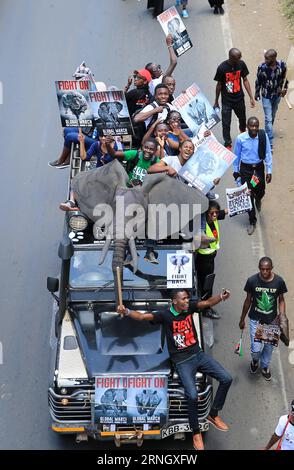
(183, 427)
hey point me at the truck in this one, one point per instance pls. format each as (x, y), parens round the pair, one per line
(111, 378)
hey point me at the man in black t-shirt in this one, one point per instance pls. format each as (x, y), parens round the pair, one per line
(229, 76)
(187, 355)
(265, 296)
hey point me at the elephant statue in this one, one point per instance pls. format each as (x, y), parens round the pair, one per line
(129, 213)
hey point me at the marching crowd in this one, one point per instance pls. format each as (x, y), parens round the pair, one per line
(162, 144)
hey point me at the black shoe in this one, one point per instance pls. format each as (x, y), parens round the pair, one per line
(266, 373)
(221, 10)
(151, 257)
(253, 366)
(210, 313)
(258, 204)
(215, 11)
(250, 229)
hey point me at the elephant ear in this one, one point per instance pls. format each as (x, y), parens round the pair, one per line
(98, 186)
(169, 194)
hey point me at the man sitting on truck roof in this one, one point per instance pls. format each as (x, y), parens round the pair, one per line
(188, 357)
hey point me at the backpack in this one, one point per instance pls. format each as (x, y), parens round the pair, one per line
(139, 127)
(261, 144)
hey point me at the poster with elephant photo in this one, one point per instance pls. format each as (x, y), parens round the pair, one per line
(172, 23)
(209, 162)
(195, 109)
(74, 103)
(110, 111)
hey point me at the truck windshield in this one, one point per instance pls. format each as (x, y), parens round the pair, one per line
(86, 272)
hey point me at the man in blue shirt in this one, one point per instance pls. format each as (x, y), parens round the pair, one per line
(253, 152)
(272, 83)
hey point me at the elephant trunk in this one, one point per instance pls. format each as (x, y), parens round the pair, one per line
(133, 251)
(119, 250)
(104, 250)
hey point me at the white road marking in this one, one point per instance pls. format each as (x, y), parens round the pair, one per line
(256, 240)
(1, 93)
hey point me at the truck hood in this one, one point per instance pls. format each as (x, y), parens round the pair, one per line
(111, 345)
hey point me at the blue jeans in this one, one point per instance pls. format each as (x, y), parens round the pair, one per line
(202, 362)
(71, 134)
(270, 108)
(260, 351)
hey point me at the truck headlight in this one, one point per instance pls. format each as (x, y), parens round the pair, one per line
(77, 221)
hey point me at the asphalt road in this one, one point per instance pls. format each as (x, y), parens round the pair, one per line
(43, 41)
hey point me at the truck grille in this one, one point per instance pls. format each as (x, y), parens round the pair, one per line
(80, 410)
(75, 411)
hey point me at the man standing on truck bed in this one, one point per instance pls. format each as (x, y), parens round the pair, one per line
(188, 357)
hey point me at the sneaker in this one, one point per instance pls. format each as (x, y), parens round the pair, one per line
(258, 204)
(151, 257)
(253, 366)
(68, 206)
(221, 10)
(63, 165)
(266, 373)
(198, 442)
(250, 229)
(218, 423)
(55, 164)
(185, 14)
(211, 313)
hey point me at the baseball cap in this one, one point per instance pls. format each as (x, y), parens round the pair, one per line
(144, 73)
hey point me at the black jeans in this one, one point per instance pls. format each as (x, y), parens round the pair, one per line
(240, 111)
(204, 266)
(158, 6)
(246, 172)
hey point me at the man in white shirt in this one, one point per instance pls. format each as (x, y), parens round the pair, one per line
(158, 109)
(284, 432)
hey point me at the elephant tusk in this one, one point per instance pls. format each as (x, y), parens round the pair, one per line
(104, 250)
(133, 251)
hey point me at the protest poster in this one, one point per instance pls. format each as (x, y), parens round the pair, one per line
(110, 111)
(238, 200)
(130, 400)
(172, 23)
(74, 104)
(195, 109)
(269, 334)
(209, 162)
(179, 270)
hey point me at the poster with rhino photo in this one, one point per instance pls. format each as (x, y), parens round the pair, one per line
(209, 162)
(195, 109)
(110, 111)
(172, 23)
(74, 103)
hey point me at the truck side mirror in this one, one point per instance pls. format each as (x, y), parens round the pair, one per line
(52, 284)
